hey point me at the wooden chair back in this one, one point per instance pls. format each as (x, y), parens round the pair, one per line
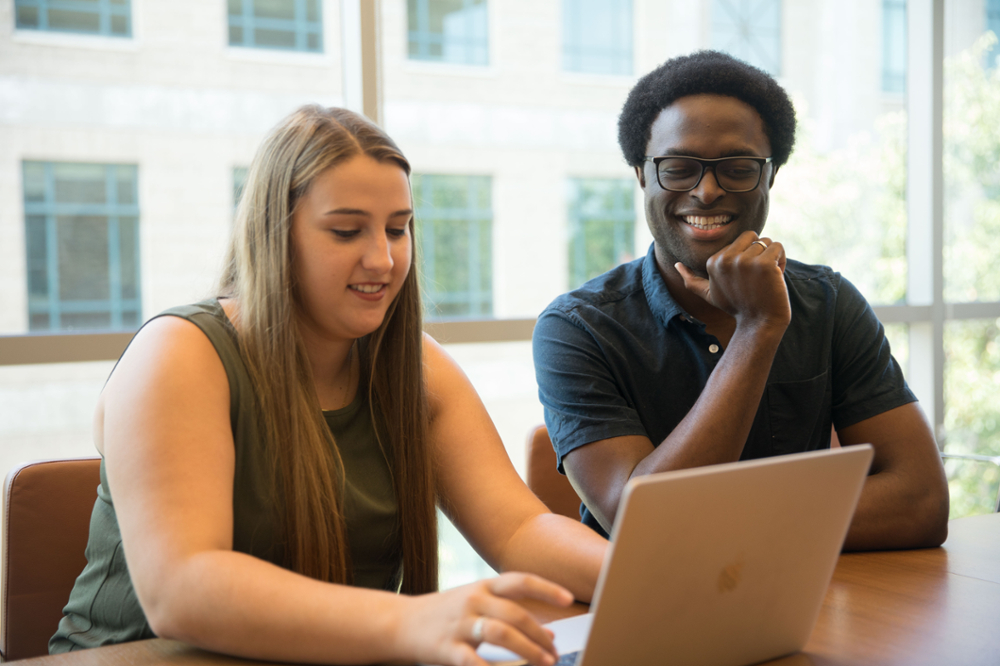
(45, 525)
(544, 479)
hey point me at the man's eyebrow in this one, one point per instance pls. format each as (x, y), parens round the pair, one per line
(735, 152)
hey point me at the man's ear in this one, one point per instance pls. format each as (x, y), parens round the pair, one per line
(641, 175)
(770, 182)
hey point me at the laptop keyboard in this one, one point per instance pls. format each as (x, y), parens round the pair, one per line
(568, 659)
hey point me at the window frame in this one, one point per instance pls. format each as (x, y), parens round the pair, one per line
(893, 79)
(425, 38)
(104, 10)
(478, 222)
(113, 211)
(574, 49)
(301, 28)
(742, 13)
(623, 221)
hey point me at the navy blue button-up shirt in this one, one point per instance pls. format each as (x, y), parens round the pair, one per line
(619, 356)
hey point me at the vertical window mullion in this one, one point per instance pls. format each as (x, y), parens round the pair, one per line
(52, 248)
(104, 11)
(248, 23)
(301, 26)
(423, 29)
(472, 254)
(924, 199)
(114, 246)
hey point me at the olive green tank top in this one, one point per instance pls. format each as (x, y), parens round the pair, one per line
(103, 608)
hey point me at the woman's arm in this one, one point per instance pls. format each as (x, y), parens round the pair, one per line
(167, 441)
(486, 499)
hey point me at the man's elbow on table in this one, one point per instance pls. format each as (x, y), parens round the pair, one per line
(930, 517)
(915, 516)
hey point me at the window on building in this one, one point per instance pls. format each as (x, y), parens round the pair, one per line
(95, 17)
(749, 30)
(894, 46)
(597, 36)
(601, 226)
(448, 31)
(454, 218)
(82, 233)
(239, 182)
(993, 24)
(295, 25)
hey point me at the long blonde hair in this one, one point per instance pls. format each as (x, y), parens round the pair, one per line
(258, 274)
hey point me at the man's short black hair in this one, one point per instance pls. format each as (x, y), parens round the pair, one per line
(705, 72)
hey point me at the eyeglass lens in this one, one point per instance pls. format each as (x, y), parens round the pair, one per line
(682, 174)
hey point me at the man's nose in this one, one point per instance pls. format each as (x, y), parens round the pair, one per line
(708, 189)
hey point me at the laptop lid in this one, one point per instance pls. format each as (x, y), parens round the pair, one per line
(724, 565)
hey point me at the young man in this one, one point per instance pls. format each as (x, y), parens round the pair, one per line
(715, 347)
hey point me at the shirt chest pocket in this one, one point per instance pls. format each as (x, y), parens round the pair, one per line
(799, 414)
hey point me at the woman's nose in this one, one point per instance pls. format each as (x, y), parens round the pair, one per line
(377, 256)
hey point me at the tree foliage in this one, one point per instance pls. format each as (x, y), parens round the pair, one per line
(847, 208)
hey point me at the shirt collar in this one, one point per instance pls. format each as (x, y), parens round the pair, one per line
(661, 303)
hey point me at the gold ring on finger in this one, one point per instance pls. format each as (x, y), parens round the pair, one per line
(761, 243)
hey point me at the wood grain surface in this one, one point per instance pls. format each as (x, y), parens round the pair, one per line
(900, 608)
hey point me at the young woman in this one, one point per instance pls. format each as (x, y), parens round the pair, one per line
(272, 458)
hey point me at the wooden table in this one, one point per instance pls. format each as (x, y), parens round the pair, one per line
(934, 606)
(905, 608)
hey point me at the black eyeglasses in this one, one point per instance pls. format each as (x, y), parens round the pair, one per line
(733, 174)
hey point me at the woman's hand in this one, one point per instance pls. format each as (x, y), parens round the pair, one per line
(442, 628)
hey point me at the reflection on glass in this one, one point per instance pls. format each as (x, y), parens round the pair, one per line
(276, 24)
(749, 30)
(448, 31)
(280, 9)
(597, 36)
(82, 16)
(239, 182)
(894, 46)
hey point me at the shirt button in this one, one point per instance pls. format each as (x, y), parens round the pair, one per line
(713, 348)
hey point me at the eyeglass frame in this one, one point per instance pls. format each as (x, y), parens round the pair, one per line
(706, 164)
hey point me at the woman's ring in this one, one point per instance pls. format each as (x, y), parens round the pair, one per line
(761, 243)
(477, 629)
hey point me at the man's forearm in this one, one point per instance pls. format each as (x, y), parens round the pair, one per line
(893, 513)
(904, 503)
(717, 427)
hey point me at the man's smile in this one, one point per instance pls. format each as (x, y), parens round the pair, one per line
(707, 222)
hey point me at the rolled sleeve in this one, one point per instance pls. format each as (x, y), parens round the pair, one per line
(577, 387)
(868, 381)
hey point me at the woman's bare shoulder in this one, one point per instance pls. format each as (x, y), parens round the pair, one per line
(169, 361)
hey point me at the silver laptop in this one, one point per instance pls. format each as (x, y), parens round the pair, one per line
(725, 565)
